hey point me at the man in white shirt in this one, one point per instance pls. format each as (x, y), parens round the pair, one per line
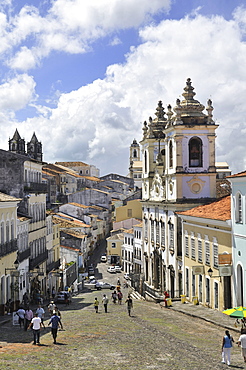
(21, 314)
(40, 311)
(36, 326)
(242, 343)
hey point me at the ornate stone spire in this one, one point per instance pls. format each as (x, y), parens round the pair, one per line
(210, 109)
(160, 112)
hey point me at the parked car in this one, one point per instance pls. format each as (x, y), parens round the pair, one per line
(90, 283)
(117, 268)
(126, 276)
(103, 258)
(102, 285)
(61, 297)
(111, 269)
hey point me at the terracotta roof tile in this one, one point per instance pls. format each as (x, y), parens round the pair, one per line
(219, 210)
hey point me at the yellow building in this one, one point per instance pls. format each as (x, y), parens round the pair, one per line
(207, 254)
(133, 209)
(114, 246)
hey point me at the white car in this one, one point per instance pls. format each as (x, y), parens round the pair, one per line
(111, 269)
(101, 285)
(126, 276)
(117, 268)
(103, 258)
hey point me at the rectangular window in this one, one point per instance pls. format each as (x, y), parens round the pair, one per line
(113, 245)
(129, 213)
(163, 234)
(186, 246)
(157, 232)
(199, 244)
(171, 236)
(207, 252)
(152, 230)
(146, 228)
(193, 249)
(215, 254)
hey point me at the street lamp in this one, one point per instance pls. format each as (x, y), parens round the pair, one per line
(210, 273)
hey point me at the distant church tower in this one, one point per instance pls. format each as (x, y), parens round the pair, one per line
(17, 144)
(34, 148)
(135, 165)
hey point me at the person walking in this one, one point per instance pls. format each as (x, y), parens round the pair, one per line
(226, 348)
(105, 303)
(40, 311)
(129, 304)
(28, 317)
(114, 296)
(242, 342)
(51, 307)
(96, 304)
(120, 296)
(55, 322)
(21, 314)
(35, 324)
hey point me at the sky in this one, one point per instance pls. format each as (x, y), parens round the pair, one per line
(84, 75)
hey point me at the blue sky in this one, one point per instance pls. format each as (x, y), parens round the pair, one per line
(84, 75)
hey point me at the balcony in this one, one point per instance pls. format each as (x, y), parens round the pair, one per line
(34, 262)
(8, 247)
(53, 266)
(24, 254)
(35, 187)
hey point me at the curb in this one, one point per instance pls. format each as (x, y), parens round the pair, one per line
(205, 319)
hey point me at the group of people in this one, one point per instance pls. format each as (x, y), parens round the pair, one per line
(35, 320)
(105, 302)
(227, 344)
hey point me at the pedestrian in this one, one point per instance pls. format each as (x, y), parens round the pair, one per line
(51, 307)
(105, 303)
(66, 295)
(242, 342)
(40, 311)
(55, 322)
(129, 304)
(35, 324)
(28, 317)
(25, 300)
(53, 292)
(72, 288)
(114, 296)
(226, 348)
(21, 314)
(120, 296)
(166, 296)
(96, 304)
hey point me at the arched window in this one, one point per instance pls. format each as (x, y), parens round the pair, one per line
(195, 152)
(171, 154)
(134, 153)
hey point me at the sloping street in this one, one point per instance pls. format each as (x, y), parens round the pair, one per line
(153, 338)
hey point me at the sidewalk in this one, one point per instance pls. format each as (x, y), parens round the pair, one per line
(208, 314)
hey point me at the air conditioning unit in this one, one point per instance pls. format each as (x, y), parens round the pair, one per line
(225, 270)
(198, 270)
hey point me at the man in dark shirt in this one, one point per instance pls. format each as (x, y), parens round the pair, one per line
(55, 322)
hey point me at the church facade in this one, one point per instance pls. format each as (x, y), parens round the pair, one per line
(178, 173)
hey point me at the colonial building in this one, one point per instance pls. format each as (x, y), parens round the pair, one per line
(207, 254)
(178, 151)
(238, 215)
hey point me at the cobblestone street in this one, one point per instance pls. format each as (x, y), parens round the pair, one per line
(153, 338)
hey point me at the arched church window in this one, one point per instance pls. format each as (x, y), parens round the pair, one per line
(171, 154)
(134, 153)
(195, 152)
(145, 162)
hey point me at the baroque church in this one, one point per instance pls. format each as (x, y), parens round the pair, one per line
(34, 147)
(178, 173)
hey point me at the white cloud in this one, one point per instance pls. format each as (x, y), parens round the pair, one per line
(69, 26)
(98, 122)
(17, 92)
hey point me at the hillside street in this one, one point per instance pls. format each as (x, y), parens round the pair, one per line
(153, 338)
